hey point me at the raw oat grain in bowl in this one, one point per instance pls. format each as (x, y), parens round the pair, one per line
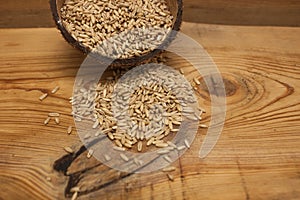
(138, 29)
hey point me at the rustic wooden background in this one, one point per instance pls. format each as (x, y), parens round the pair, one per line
(35, 13)
(257, 156)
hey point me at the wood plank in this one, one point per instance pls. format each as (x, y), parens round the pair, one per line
(25, 13)
(243, 12)
(257, 156)
(36, 13)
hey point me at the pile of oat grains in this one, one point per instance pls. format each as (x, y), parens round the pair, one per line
(137, 117)
(164, 102)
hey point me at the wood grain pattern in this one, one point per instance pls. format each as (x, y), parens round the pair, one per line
(25, 13)
(36, 13)
(243, 12)
(257, 156)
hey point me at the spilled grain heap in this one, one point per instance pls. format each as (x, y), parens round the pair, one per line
(136, 113)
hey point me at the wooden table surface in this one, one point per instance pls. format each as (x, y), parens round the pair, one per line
(256, 157)
(35, 13)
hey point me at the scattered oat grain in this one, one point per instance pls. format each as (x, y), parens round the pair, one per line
(56, 119)
(181, 148)
(169, 169)
(90, 153)
(140, 146)
(55, 90)
(74, 196)
(43, 96)
(167, 158)
(170, 177)
(203, 126)
(107, 157)
(54, 114)
(47, 120)
(75, 189)
(124, 157)
(69, 130)
(68, 149)
(187, 144)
